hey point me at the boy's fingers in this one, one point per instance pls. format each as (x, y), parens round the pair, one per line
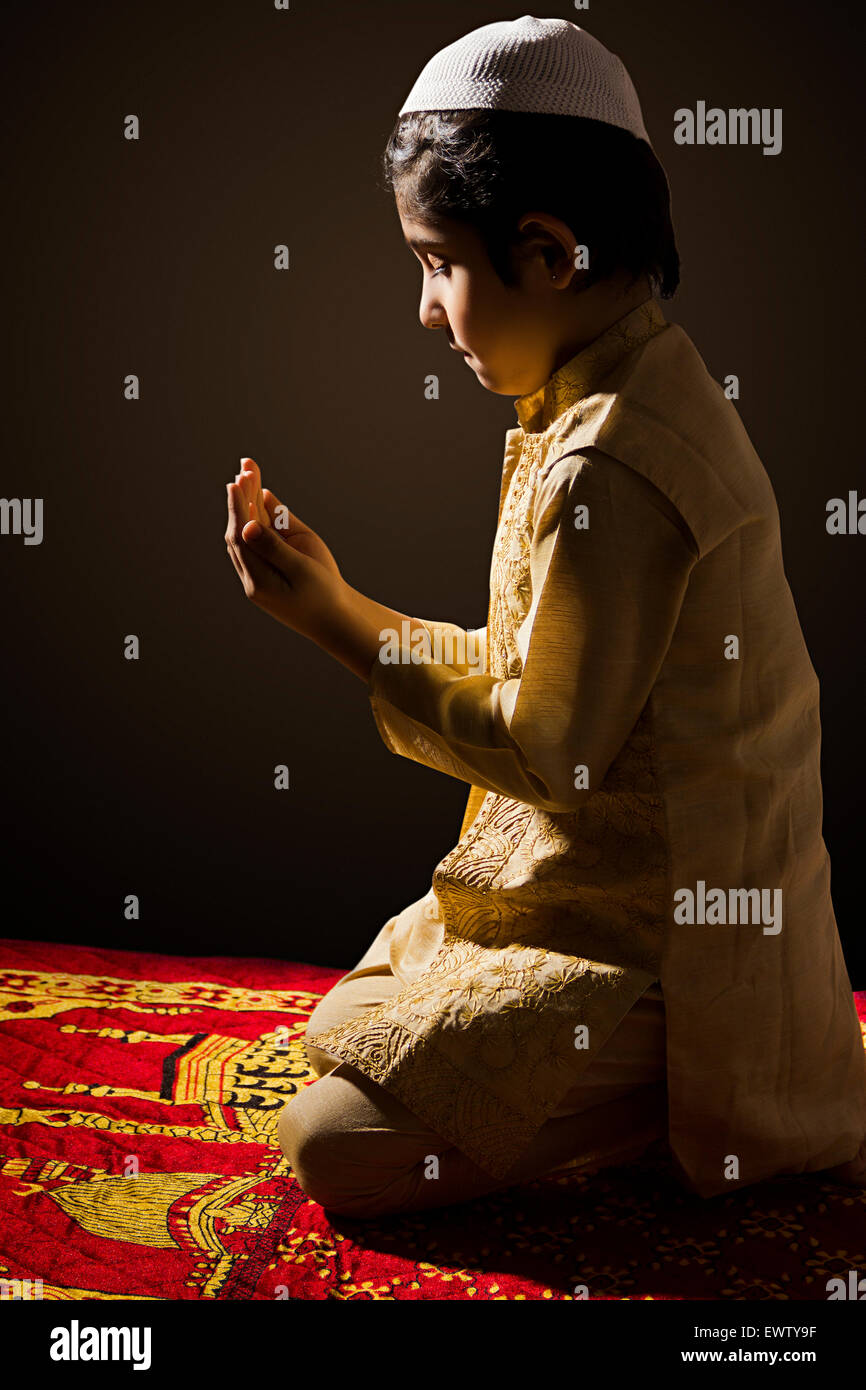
(268, 545)
(261, 577)
(250, 466)
(252, 479)
(251, 570)
(270, 508)
(296, 524)
(247, 485)
(287, 521)
(266, 502)
(238, 512)
(233, 528)
(251, 469)
(235, 561)
(261, 510)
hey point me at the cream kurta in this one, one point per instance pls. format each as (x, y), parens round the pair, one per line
(620, 749)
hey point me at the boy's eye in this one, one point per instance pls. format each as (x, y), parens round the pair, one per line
(437, 269)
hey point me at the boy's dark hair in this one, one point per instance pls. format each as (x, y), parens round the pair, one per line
(487, 168)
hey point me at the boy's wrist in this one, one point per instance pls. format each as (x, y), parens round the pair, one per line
(352, 632)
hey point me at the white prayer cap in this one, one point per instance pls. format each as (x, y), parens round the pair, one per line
(527, 64)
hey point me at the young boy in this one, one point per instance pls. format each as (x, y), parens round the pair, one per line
(633, 937)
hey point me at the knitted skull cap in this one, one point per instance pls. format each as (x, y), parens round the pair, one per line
(545, 65)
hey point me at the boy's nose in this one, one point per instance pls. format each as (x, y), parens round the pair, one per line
(436, 320)
(431, 314)
(433, 319)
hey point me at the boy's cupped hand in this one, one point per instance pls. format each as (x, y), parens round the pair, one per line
(285, 567)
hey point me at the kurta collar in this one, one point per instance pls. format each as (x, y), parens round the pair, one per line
(578, 377)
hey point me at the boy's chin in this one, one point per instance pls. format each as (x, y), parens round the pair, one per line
(499, 381)
(488, 378)
(493, 382)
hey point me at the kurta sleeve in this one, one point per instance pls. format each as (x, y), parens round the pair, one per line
(465, 649)
(609, 563)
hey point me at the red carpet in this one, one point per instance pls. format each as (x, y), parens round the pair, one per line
(138, 1159)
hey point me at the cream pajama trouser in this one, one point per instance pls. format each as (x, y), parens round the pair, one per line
(358, 1151)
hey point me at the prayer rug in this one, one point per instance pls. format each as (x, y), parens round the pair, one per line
(139, 1101)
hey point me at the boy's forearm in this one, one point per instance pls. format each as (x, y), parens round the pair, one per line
(353, 635)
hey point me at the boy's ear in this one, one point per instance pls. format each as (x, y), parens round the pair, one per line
(550, 237)
(555, 258)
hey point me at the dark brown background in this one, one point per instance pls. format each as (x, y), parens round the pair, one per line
(156, 777)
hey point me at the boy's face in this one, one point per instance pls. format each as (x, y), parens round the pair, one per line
(510, 335)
